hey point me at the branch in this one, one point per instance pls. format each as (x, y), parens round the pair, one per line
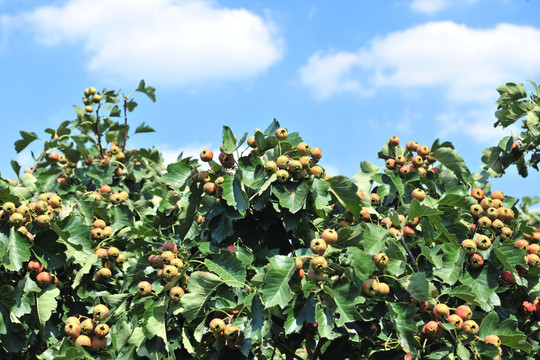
(125, 123)
(408, 252)
(98, 135)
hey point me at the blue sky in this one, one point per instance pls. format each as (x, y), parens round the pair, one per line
(347, 75)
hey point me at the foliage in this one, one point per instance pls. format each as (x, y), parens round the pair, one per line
(516, 103)
(218, 260)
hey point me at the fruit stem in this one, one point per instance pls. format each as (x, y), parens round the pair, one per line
(409, 253)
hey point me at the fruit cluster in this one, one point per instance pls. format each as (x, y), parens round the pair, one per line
(40, 212)
(224, 332)
(91, 331)
(110, 258)
(42, 278)
(404, 161)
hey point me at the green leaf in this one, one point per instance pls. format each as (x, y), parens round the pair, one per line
(228, 267)
(16, 249)
(46, 303)
(416, 209)
(193, 305)
(450, 158)
(233, 191)
(144, 129)
(419, 287)
(489, 325)
(148, 90)
(291, 196)
(402, 317)
(177, 175)
(229, 144)
(345, 190)
(154, 320)
(90, 260)
(276, 290)
(16, 167)
(203, 282)
(346, 296)
(453, 262)
(373, 238)
(27, 139)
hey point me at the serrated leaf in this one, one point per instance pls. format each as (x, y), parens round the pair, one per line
(148, 90)
(154, 321)
(450, 159)
(143, 128)
(27, 139)
(416, 209)
(419, 287)
(291, 196)
(233, 191)
(344, 189)
(46, 303)
(228, 267)
(16, 249)
(276, 290)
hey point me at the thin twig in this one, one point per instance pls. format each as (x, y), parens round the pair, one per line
(318, 348)
(409, 252)
(98, 135)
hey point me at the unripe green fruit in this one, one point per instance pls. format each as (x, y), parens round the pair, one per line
(9, 207)
(319, 264)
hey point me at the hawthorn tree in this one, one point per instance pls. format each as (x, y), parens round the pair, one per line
(257, 253)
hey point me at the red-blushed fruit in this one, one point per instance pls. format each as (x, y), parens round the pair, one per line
(88, 326)
(170, 247)
(370, 287)
(72, 329)
(476, 210)
(423, 151)
(464, 312)
(109, 264)
(404, 169)
(497, 194)
(53, 156)
(316, 154)
(44, 279)
(167, 257)
(251, 142)
(226, 160)
(102, 253)
(99, 344)
(281, 134)
(400, 160)
(157, 262)
(432, 330)
(35, 266)
(407, 230)
(100, 312)
(209, 188)
(298, 274)
(375, 199)
(493, 339)
(113, 252)
(299, 263)
(318, 246)
(532, 260)
(319, 263)
(506, 214)
(295, 166)
(455, 320)
(417, 161)
(527, 308)
(270, 167)
(522, 244)
(317, 171)
(394, 141)
(314, 275)
(390, 164)
(108, 231)
(98, 223)
(492, 213)
(217, 326)
(477, 193)
(96, 234)
(176, 293)
(207, 155)
(508, 278)
(381, 260)
(469, 246)
(418, 194)
(441, 311)
(412, 145)
(383, 289)
(486, 203)
(83, 340)
(105, 189)
(144, 288)
(476, 260)
(496, 203)
(534, 249)
(484, 223)
(330, 236)
(470, 328)
(101, 330)
(482, 242)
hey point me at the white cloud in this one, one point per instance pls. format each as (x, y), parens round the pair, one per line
(468, 64)
(167, 41)
(428, 6)
(193, 150)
